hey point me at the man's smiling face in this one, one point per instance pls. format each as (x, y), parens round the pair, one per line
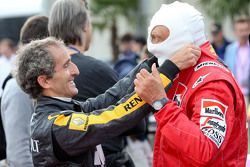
(62, 83)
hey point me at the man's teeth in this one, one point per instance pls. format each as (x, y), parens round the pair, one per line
(72, 82)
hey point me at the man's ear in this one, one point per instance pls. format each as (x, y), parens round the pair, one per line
(43, 81)
(86, 27)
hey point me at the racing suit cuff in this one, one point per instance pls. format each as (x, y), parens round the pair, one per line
(169, 69)
(151, 61)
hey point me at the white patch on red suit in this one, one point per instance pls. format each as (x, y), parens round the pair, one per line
(212, 120)
(199, 80)
(179, 93)
(214, 123)
(208, 64)
(213, 108)
(214, 135)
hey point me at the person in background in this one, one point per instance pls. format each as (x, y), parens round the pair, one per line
(138, 44)
(201, 121)
(7, 58)
(237, 55)
(219, 42)
(17, 107)
(127, 59)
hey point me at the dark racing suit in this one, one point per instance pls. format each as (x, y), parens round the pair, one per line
(206, 126)
(67, 133)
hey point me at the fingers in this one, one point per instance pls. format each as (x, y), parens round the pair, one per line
(186, 56)
(195, 48)
(194, 60)
(196, 52)
(155, 72)
(144, 73)
(139, 76)
(136, 82)
(195, 57)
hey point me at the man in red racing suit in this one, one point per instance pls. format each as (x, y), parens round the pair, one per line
(202, 119)
(208, 128)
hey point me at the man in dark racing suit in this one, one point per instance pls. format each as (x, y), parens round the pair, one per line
(66, 132)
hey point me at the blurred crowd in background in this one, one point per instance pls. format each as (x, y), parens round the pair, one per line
(132, 49)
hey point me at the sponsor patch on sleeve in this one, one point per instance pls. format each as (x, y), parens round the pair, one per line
(180, 93)
(208, 64)
(199, 80)
(212, 121)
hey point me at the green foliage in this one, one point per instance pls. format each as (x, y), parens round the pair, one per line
(219, 9)
(107, 11)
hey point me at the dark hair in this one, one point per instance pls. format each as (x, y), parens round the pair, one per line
(36, 27)
(141, 40)
(127, 38)
(216, 27)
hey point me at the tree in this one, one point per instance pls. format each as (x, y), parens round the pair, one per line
(219, 9)
(107, 13)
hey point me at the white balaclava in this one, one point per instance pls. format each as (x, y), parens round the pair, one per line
(185, 25)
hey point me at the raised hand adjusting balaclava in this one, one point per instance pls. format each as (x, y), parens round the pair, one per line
(185, 25)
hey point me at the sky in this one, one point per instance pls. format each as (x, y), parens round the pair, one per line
(13, 8)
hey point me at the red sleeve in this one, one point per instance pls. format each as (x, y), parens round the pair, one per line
(199, 137)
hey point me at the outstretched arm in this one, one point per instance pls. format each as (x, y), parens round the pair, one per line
(184, 58)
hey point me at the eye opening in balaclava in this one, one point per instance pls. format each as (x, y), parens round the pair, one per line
(159, 34)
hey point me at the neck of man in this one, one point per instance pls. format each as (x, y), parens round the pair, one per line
(54, 95)
(243, 42)
(75, 48)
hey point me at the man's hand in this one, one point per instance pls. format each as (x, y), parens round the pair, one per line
(186, 56)
(149, 86)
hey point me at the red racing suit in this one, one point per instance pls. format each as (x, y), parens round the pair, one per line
(204, 122)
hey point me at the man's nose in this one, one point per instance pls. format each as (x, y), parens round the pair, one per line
(75, 70)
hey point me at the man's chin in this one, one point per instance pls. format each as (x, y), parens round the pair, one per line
(75, 92)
